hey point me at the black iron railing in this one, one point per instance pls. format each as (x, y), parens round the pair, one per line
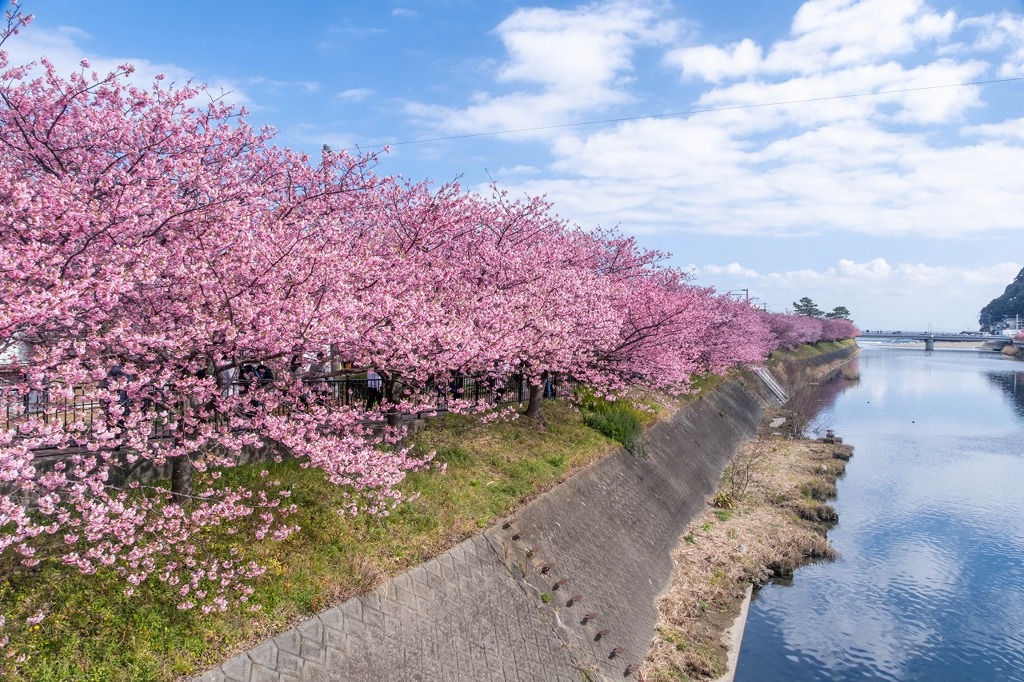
(55, 406)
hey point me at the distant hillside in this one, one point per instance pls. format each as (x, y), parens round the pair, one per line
(1009, 304)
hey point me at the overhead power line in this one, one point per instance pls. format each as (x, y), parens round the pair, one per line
(691, 112)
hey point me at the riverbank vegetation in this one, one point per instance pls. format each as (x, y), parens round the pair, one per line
(768, 517)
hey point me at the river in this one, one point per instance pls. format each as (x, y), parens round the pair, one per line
(930, 580)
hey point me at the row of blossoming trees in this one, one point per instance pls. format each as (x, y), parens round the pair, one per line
(175, 241)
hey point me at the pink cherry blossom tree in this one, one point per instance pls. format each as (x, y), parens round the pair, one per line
(150, 244)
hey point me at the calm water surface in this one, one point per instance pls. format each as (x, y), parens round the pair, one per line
(930, 583)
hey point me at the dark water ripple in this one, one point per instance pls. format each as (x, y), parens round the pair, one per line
(930, 583)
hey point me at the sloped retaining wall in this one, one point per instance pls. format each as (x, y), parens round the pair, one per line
(611, 530)
(566, 591)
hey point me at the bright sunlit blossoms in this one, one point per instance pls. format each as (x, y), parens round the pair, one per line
(151, 247)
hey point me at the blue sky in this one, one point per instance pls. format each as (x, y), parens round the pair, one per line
(797, 177)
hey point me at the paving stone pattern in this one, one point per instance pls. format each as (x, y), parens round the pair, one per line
(566, 590)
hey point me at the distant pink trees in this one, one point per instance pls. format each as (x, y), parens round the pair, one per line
(792, 330)
(837, 330)
(151, 245)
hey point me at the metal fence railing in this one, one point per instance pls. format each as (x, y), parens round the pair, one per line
(53, 405)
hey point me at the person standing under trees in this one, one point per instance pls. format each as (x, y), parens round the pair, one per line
(264, 375)
(247, 378)
(457, 384)
(319, 368)
(226, 379)
(295, 366)
(114, 375)
(374, 386)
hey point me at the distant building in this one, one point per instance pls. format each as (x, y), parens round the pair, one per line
(1011, 326)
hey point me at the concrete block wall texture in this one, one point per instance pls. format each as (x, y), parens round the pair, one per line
(512, 603)
(610, 530)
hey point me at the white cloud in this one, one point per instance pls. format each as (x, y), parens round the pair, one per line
(845, 125)
(1003, 31)
(733, 269)
(404, 13)
(880, 295)
(356, 94)
(694, 176)
(825, 35)
(1012, 130)
(276, 86)
(566, 63)
(876, 269)
(575, 50)
(714, 64)
(518, 170)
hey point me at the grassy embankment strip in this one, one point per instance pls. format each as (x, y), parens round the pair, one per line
(93, 632)
(782, 357)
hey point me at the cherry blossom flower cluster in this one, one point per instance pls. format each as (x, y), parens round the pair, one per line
(150, 246)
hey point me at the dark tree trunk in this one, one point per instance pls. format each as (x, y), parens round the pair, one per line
(534, 406)
(181, 466)
(181, 479)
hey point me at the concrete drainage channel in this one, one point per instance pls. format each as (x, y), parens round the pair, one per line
(565, 590)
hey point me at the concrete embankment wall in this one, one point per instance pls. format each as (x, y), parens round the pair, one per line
(611, 530)
(566, 591)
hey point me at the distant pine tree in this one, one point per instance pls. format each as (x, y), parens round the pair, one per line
(806, 307)
(1010, 304)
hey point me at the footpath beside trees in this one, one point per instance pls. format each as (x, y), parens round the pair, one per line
(149, 245)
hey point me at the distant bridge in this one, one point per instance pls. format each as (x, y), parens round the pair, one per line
(930, 338)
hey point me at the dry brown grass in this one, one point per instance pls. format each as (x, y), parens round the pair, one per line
(765, 536)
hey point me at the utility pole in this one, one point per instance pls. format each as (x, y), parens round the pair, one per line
(746, 293)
